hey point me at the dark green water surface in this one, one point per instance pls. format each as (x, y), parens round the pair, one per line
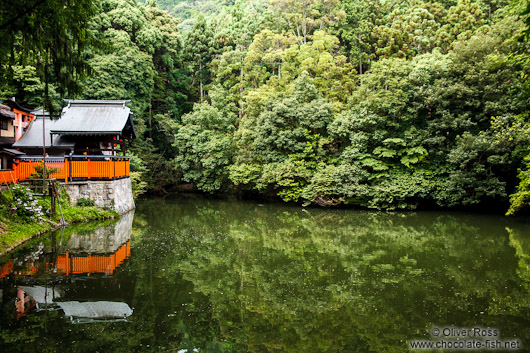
(188, 275)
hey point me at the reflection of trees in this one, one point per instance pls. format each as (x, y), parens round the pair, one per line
(519, 305)
(104, 239)
(237, 277)
(521, 243)
(283, 279)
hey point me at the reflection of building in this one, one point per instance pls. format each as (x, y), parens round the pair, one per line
(96, 310)
(73, 264)
(29, 297)
(23, 304)
(6, 269)
(100, 252)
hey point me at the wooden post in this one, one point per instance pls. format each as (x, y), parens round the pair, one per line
(68, 264)
(52, 198)
(16, 170)
(66, 172)
(70, 167)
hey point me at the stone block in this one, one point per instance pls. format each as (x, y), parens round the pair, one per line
(115, 194)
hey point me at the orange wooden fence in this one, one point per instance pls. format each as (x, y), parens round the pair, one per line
(8, 177)
(68, 169)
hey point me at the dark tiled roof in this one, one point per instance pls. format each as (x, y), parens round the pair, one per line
(14, 105)
(11, 152)
(82, 117)
(6, 112)
(32, 138)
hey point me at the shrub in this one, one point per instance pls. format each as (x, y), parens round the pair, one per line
(82, 202)
(24, 205)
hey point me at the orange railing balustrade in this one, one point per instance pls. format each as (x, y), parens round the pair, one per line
(70, 168)
(56, 166)
(8, 177)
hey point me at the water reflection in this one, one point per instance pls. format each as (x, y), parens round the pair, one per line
(76, 250)
(49, 275)
(103, 240)
(292, 280)
(218, 276)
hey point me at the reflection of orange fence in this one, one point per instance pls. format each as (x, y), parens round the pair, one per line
(30, 269)
(75, 264)
(69, 169)
(7, 268)
(72, 264)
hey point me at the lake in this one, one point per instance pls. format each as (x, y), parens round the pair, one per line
(201, 275)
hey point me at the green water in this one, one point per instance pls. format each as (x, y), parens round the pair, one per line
(226, 276)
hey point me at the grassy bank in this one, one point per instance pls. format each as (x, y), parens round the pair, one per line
(23, 216)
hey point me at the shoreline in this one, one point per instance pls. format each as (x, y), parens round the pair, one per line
(25, 240)
(80, 215)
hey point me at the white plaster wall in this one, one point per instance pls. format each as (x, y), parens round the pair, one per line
(10, 132)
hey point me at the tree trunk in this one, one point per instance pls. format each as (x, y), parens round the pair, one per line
(44, 171)
(299, 37)
(304, 25)
(241, 90)
(360, 61)
(200, 81)
(150, 119)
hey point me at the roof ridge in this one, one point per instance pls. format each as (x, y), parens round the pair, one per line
(96, 102)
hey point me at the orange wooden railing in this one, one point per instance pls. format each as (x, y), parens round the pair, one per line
(69, 169)
(8, 177)
(27, 168)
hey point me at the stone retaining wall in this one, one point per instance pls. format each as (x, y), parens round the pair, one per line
(115, 194)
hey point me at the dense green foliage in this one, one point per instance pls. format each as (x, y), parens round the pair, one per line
(42, 46)
(367, 103)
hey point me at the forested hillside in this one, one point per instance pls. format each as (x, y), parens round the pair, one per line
(187, 11)
(373, 103)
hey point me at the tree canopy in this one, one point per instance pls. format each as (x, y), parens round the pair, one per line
(367, 103)
(45, 41)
